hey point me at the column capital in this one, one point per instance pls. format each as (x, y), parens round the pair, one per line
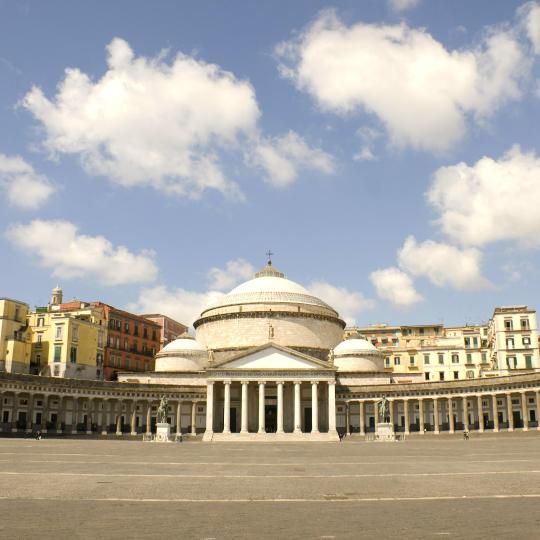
(227, 381)
(314, 382)
(280, 383)
(297, 382)
(332, 383)
(261, 382)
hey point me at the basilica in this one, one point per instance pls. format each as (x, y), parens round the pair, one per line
(269, 362)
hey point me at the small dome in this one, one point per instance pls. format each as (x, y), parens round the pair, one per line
(352, 346)
(182, 354)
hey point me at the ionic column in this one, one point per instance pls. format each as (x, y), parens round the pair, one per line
(226, 406)
(244, 428)
(391, 410)
(194, 418)
(297, 421)
(118, 422)
(209, 429)
(524, 411)
(45, 413)
(104, 417)
(480, 408)
(436, 415)
(133, 420)
(509, 412)
(406, 411)
(74, 415)
(89, 407)
(30, 413)
(465, 411)
(451, 423)
(331, 406)
(279, 407)
(179, 417)
(315, 409)
(495, 411)
(149, 417)
(421, 415)
(61, 414)
(362, 418)
(262, 427)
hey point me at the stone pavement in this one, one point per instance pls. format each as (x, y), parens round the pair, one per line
(488, 487)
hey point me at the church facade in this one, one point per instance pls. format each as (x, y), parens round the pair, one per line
(268, 362)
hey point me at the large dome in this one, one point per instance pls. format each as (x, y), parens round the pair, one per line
(269, 307)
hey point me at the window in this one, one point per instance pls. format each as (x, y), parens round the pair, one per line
(395, 342)
(384, 342)
(421, 331)
(510, 343)
(56, 371)
(470, 374)
(73, 355)
(456, 374)
(41, 321)
(524, 324)
(475, 341)
(59, 331)
(412, 360)
(441, 358)
(469, 358)
(455, 359)
(100, 339)
(441, 375)
(467, 342)
(387, 361)
(511, 362)
(508, 325)
(57, 352)
(117, 342)
(154, 335)
(17, 313)
(75, 333)
(397, 361)
(374, 342)
(426, 358)
(136, 330)
(39, 340)
(126, 327)
(528, 362)
(146, 366)
(484, 358)
(145, 332)
(526, 341)
(126, 344)
(38, 358)
(426, 375)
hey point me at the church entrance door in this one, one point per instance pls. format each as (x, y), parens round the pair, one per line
(270, 418)
(232, 419)
(307, 420)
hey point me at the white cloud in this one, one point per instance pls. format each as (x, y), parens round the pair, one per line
(282, 158)
(396, 286)
(24, 187)
(491, 200)
(349, 304)
(59, 246)
(443, 264)
(402, 5)
(234, 272)
(530, 17)
(184, 306)
(149, 122)
(423, 93)
(365, 154)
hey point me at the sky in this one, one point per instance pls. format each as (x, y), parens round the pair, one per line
(386, 152)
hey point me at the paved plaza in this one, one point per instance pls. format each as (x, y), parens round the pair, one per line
(425, 487)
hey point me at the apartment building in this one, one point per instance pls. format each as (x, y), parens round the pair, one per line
(14, 346)
(170, 329)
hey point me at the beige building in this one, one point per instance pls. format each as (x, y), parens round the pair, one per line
(170, 329)
(14, 346)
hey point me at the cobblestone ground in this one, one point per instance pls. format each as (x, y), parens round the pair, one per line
(427, 487)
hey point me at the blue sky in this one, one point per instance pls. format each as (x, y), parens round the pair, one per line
(386, 151)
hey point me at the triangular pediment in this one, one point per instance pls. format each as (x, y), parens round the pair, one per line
(272, 356)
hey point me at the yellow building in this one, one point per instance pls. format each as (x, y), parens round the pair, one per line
(68, 340)
(14, 347)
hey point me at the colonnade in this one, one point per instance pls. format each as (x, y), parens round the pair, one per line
(480, 411)
(88, 414)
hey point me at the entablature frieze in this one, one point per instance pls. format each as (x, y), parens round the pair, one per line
(255, 376)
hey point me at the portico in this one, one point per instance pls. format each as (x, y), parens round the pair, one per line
(271, 393)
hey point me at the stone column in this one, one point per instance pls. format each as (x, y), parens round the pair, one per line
(332, 407)
(297, 420)
(509, 412)
(406, 414)
(209, 429)
(279, 407)
(14, 411)
(45, 413)
(436, 415)
(194, 418)
(74, 415)
(244, 410)
(104, 417)
(61, 414)
(315, 409)
(226, 406)
(30, 413)
(90, 409)
(538, 409)
(495, 411)
(524, 411)
(133, 419)
(391, 411)
(375, 415)
(118, 419)
(421, 415)
(262, 427)
(178, 417)
(451, 423)
(149, 417)
(362, 418)
(480, 408)
(465, 412)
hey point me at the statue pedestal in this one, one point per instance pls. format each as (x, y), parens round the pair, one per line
(163, 432)
(385, 432)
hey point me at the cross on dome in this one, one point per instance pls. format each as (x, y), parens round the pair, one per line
(269, 254)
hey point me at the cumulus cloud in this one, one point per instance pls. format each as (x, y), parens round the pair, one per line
(59, 245)
(234, 272)
(282, 158)
(420, 91)
(530, 17)
(443, 264)
(396, 286)
(164, 124)
(402, 5)
(492, 200)
(184, 306)
(24, 187)
(349, 304)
